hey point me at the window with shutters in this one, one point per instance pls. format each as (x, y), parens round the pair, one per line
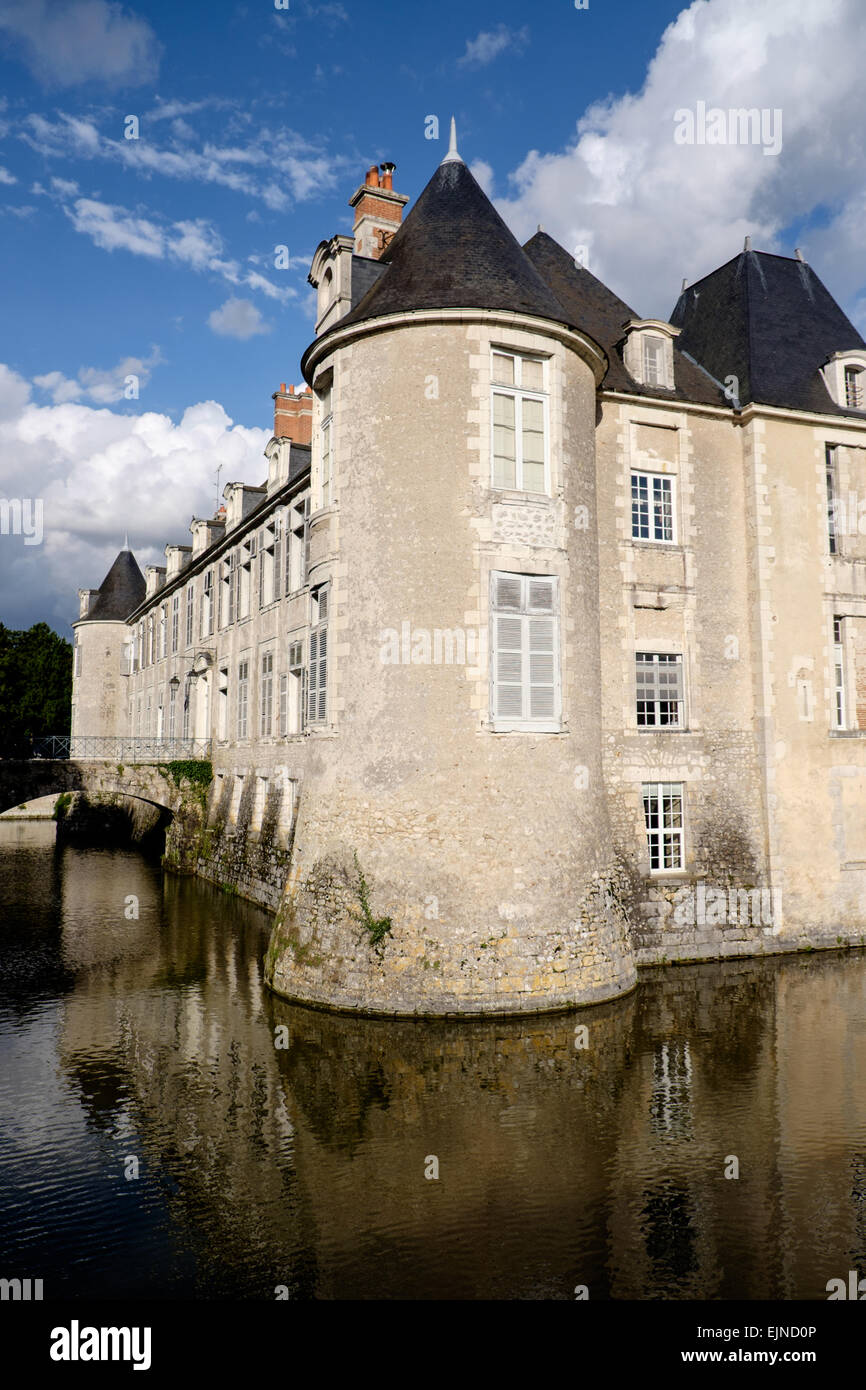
(830, 480)
(190, 611)
(246, 573)
(839, 707)
(663, 816)
(652, 507)
(269, 546)
(297, 688)
(659, 690)
(187, 705)
(243, 697)
(325, 448)
(317, 667)
(76, 647)
(150, 644)
(284, 704)
(519, 423)
(297, 545)
(175, 622)
(172, 712)
(206, 615)
(139, 646)
(163, 631)
(223, 703)
(266, 696)
(524, 652)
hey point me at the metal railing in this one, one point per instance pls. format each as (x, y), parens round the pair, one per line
(120, 750)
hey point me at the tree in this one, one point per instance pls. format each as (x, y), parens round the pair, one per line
(35, 686)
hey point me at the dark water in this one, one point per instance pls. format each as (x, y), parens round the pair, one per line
(559, 1165)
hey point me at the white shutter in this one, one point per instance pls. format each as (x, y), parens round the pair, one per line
(525, 656)
(323, 672)
(509, 667)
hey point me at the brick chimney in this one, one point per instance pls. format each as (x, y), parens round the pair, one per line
(293, 414)
(378, 211)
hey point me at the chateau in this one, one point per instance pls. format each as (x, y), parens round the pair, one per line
(541, 653)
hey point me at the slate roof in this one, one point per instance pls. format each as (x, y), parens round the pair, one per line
(121, 591)
(769, 321)
(455, 251)
(601, 314)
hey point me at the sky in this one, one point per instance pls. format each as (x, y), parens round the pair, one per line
(154, 156)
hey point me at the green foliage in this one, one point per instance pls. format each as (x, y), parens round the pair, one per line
(61, 806)
(198, 772)
(35, 686)
(377, 927)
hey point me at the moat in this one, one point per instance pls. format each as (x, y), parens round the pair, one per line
(136, 1033)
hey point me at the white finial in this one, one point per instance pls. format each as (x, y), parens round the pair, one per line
(452, 157)
(748, 245)
(540, 227)
(799, 254)
(126, 540)
(684, 286)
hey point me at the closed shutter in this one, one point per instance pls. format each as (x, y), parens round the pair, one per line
(323, 671)
(233, 572)
(278, 556)
(312, 680)
(525, 656)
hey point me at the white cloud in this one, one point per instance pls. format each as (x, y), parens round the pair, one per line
(101, 385)
(81, 41)
(490, 43)
(651, 211)
(113, 228)
(237, 318)
(6, 177)
(99, 473)
(483, 173)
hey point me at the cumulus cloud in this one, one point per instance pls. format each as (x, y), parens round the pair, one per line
(99, 473)
(490, 43)
(6, 177)
(237, 318)
(104, 386)
(651, 211)
(80, 41)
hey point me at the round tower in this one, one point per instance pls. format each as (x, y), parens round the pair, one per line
(99, 667)
(452, 849)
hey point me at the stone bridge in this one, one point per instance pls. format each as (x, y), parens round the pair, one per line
(25, 779)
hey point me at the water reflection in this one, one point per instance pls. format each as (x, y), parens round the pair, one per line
(152, 1037)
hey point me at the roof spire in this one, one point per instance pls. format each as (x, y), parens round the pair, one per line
(126, 540)
(452, 157)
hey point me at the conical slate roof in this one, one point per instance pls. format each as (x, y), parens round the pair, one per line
(769, 321)
(601, 314)
(120, 592)
(455, 252)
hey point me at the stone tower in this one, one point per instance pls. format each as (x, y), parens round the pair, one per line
(458, 792)
(101, 650)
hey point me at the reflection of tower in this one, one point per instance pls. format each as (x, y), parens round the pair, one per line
(671, 1103)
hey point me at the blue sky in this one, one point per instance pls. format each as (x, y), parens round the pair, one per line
(155, 256)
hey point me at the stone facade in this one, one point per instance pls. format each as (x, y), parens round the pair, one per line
(337, 636)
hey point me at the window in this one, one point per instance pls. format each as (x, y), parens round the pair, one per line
(839, 672)
(138, 716)
(284, 704)
(325, 462)
(228, 589)
(296, 692)
(206, 616)
(830, 475)
(654, 373)
(172, 712)
(139, 660)
(163, 630)
(854, 388)
(317, 679)
(223, 703)
(160, 716)
(245, 575)
(243, 697)
(150, 642)
(190, 614)
(297, 546)
(652, 507)
(77, 645)
(175, 622)
(269, 560)
(659, 686)
(524, 652)
(663, 814)
(187, 696)
(519, 423)
(266, 722)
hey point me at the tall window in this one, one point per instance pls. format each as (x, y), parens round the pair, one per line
(246, 571)
(190, 614)
(839, 672)
(525, 652)
(297, 545)
(652, 507)
(654, 373)
(854, 388)
(830, 476)
(163, 630)
(296, 692)
(150, 642)
(519, 423)
(139, 646)
(317, 678)
(175, 622)
(223, 703)
(325, 455)
(206, 617)
(269, 548)
(187, 704)
(266, 696)
(659, 685)
(284, 704)
(77, 649)
(243, 697)
(172, 712)
(663, 814)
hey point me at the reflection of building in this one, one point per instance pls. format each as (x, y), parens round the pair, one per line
(543, 611)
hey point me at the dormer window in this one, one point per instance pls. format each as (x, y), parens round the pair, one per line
(854, 388)
(648, 353)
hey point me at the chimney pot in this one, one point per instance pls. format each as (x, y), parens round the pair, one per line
(373, 176)
(283, 387)
(388, 174)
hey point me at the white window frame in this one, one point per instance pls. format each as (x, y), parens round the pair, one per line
(650, 342)
(657, 793)
(326, 458)
(525, 613)
(266, 694)
(175, 622)
(831, 477)
(658, 662)
(317, 656)
(243, 704)
(853, 376)
(652, 479)
(519, 393)
(190, 614)
(840, 698)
